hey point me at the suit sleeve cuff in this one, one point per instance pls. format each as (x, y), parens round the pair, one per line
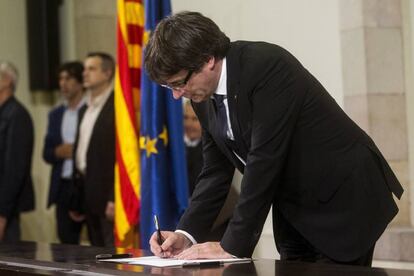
(188, 236)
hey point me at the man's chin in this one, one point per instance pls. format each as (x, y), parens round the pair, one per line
(198, 99)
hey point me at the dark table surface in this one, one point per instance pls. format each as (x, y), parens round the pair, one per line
(30, 258)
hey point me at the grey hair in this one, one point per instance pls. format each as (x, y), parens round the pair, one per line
(8, 69)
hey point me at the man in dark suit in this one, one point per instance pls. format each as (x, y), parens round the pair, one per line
(95, 149)
(16, 147)
(263, 113)
(58, 148)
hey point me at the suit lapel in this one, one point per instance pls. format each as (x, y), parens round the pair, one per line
(207, 114)
(58, 124)
(101, 121)
(233, 91)
(213, 121)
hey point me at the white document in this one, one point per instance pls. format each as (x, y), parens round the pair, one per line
(166, 262)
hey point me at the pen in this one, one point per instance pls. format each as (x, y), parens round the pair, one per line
(157, 228)
(202, 264)
(113, 256)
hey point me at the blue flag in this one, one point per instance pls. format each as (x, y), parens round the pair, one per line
(164, 188)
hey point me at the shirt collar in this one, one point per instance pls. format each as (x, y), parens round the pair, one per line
(222, 84)
(99, 100)
(191, 143)
(78, 106)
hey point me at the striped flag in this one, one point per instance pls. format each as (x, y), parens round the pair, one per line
(164, 190)
(150, 172)
(130, 33)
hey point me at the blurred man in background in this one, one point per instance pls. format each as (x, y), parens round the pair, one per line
(95, 149)
(16, 147)
(58, 148)
(193, 147)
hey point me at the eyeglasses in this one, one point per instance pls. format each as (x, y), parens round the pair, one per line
(178, 85)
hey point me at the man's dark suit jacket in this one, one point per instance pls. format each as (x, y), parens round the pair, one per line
(194, 157)
(52, 140)
(100, 160)
(16, 147)
(303, 155)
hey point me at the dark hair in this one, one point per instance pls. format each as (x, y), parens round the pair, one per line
(184, 41)
(108, 62)
(74, 69)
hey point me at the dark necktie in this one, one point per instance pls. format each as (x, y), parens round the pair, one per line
(221, 115)
(222, 123)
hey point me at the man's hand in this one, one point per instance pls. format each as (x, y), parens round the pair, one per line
(173, 244)
(110, 211)
(75, 216)
(207, 250)
(64, 151)
(3, 223)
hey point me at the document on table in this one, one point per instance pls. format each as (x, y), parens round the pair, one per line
(166, 262)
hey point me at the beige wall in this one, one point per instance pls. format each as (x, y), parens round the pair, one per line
(408, 42)
(308, 29)
(374, 88)
(95, 26)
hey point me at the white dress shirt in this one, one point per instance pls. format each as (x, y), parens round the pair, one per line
(68, 133)
(191, 143)
(86, 128)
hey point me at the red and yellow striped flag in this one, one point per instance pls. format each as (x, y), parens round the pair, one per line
(130, 30)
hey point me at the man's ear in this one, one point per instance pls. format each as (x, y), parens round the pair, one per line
(5, 82)
(211, 63)
(109, 74)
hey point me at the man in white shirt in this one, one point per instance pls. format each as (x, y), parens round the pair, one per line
(95, 149)
(265, 114)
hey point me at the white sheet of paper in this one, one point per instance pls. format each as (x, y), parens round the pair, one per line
(164, 262)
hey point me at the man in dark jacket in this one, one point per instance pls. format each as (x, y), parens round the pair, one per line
(262, 112)
(94, 153)
(16, 146)
(58, 148)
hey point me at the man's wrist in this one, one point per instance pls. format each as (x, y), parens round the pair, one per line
(187, 235)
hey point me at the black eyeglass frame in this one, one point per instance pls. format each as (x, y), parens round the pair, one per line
(177, 85)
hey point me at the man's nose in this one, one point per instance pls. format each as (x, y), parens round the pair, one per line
(177, 94)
